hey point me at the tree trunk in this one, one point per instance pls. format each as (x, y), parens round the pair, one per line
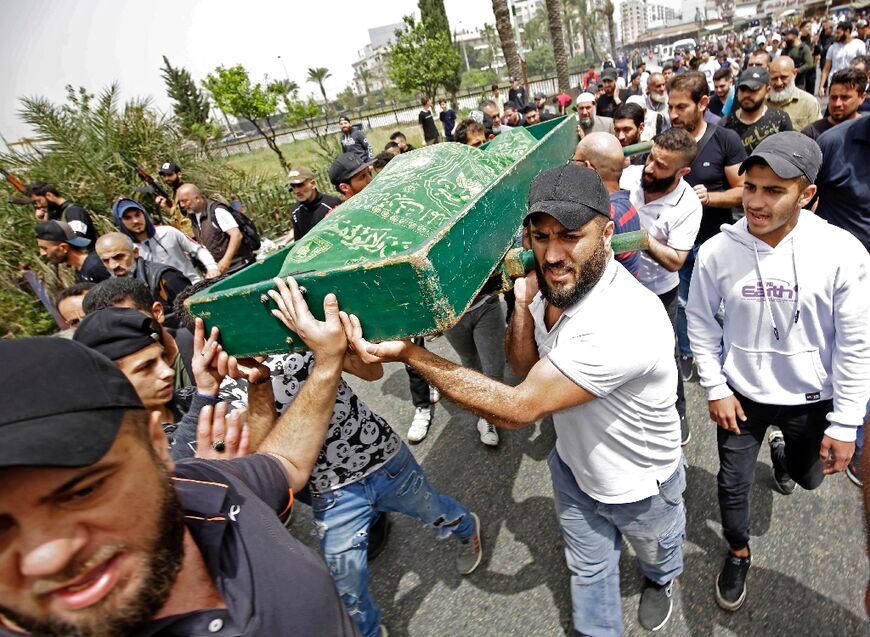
(270, 142)
(554, 18)
(506, 35)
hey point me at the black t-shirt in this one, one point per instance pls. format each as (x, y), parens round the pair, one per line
(605, 106)
(79, 219)
(307, 215)
(430, 131)
(272, 583)
(774, 120)
(92, 270)
(817, 128)
(723, 148)
(519, 96)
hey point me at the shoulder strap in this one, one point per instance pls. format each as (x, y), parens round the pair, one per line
(706, 137)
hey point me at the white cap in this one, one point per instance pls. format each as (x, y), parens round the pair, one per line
(776, 36)
(585, 97)
(637, 99)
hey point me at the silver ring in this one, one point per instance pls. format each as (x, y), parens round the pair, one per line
(218, 445)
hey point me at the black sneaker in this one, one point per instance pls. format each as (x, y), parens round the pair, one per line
(685, 434)
(378, 532)
(855, 470)
(656, 604)
(687, 368)
(731, 583)
(781, 480)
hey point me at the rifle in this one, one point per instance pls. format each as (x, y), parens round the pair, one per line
(12, 179)
(148, 179)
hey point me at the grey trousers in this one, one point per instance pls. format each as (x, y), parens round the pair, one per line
(478, 338)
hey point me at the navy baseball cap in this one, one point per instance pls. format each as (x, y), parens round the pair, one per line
(789, 154)
(571, 194)
(60, 231)
(123, 205)
(63, 403)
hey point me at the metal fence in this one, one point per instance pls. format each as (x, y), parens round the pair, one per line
(382, 119)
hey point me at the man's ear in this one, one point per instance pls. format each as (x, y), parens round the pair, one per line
(703, 103)
(345, 190)
(807, 195)
(158, 440)
(135, 252)
(157, 312)
(682, 172)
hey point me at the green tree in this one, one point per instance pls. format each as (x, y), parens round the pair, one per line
(554, 18)
(490, 35)
(506, 35)
(475, 79)
(421, 62)
(540, 60)
(234, 93)
(190, 104)
(605, 10)
(317, 76)
(434, 19)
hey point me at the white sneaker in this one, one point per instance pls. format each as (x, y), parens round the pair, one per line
(420, 425)
(487, 431)
(434, 394)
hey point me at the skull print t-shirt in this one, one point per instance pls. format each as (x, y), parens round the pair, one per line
(358, 441)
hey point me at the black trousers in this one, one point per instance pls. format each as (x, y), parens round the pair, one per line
(803, 427)
(669, 300)
(419, 385)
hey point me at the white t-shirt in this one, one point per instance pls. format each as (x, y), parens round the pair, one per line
(673, 220)
(223, 217)
(621, 445)
(708, 68)
(841, 54)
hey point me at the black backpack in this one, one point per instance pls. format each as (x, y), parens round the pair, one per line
(250, 236)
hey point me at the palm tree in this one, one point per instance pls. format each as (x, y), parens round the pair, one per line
(605, 9)
(317, 76)
(588, 22)
(554, 17)
(506, 35)
(490, 34)
(534, 31)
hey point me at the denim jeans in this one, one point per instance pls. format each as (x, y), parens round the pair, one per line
(682, 298)
(478, 338)
(593, 532)
(802, 426)
(343, 516)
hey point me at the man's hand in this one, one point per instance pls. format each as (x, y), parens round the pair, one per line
(41, 214)
(250, 368)
(222, 437)
(209, 362)
(525, 288)
(325, 338)
(822, 89)
(835, 454)
(725, 412)
(701, 191)
(212, 273)
(224, 265)
(386, 352)
(163, 202)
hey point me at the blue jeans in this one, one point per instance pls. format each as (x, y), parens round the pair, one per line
(683, 298)
(593, 531)
(343, 517)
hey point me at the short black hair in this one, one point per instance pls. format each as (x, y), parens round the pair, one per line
(861, 59)
(692, 82)
(668, 65)
(494, 87)
(851, 77)
(679, 141)
(76, 289)
(397, 135)
(634, 76)
(723, 73)
(382, 159)
(467, 126)
(390, 145)
(629, 111)
(112, 291)
(41, 188)
(845, 25)
(762, 51)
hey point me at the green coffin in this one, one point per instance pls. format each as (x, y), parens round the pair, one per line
(407, 255)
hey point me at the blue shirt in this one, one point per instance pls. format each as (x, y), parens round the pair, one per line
(625, 218)
(843, 181)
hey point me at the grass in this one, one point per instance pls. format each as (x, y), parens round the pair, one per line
(264, 162)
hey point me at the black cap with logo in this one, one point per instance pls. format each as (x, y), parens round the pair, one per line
(346, 166)
(789, 154)
(573, 195)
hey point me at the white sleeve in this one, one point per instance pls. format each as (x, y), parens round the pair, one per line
(705, 333)
(224, 219)
(191, 247)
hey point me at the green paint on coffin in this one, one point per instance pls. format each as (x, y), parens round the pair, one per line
(407, 255)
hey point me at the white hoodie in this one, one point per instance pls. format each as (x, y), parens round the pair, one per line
(807, 338)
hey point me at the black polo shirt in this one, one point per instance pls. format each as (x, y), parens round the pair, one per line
(724, 148)
(307, 215)
(92, 270)
(272, 583)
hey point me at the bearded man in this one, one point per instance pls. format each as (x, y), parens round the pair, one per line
(754, 120)
(617, 468)
(802, 108)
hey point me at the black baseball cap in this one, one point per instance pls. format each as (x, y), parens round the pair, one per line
(346, 166)
(116, 332)
(169, 168)
(789, 154)
(754, 78)
(609, 74)
(64, 403)
(60, 231)
(571, 194)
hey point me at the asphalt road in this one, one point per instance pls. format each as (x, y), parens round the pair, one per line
(807, 578)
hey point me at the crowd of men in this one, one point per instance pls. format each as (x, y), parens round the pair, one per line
(145, 494)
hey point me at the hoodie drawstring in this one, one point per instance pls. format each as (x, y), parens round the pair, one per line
(764, 293)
